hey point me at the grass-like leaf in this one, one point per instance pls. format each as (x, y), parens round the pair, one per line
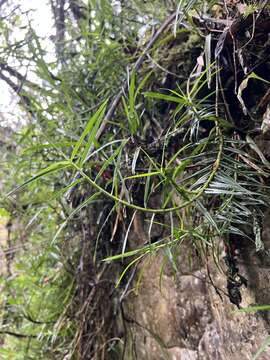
(92, 124)
(160, 96)
(50, 169)
(263, 347)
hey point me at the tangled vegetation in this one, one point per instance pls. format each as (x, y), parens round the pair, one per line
(144, 132)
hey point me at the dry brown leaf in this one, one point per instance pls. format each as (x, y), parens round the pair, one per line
(265, 127)
(241, 88)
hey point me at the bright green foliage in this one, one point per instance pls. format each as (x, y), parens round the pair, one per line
(76, 162)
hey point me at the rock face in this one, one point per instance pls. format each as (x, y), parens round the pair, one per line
(181, 317)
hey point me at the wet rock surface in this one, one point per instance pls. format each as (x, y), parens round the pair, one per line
(182, 317)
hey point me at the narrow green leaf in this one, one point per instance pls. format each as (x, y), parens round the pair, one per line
(207, 215)
(93, 122)
(147, 188)
(127, 268)
(263, 347)
(74, 212)
(132, 117)
(142, 83)
(137, 176)
(132, 92)
(52, 168)
(159, 96)
(83, 204)
(253, 309)
(253, 75)
(39, 147)
(110, 159)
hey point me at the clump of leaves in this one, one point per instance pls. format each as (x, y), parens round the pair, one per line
(100, 149)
